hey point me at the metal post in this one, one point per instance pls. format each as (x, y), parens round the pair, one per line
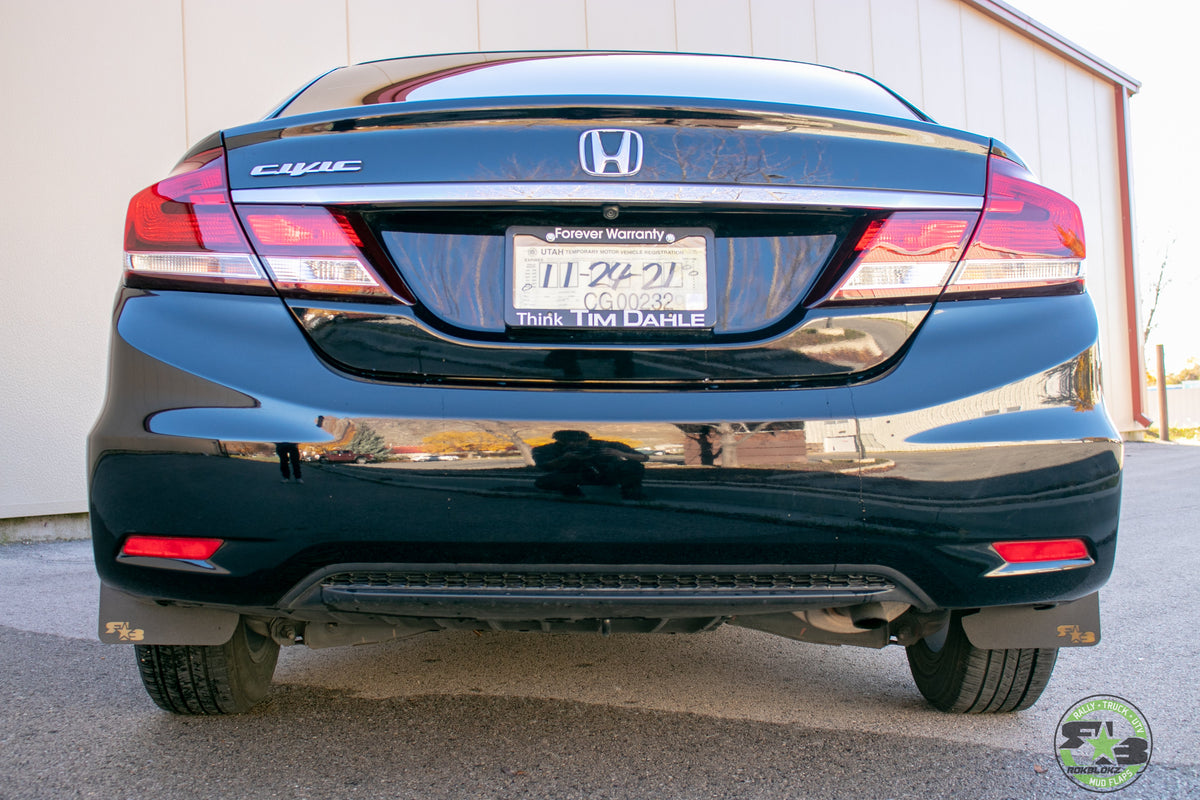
(1164, 425)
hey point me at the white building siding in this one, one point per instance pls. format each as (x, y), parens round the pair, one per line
(895, 25)
(843, 32)
(379, 29)
(1018, 72)
(608, 25)
(142, 79)
(942, 80)
(983, 79)
(784, 29)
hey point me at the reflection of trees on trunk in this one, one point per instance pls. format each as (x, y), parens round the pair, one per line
(720, 440)
(367, 441)
(506, 431)
(1076, 383)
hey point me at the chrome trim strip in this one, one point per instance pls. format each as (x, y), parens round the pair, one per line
(180, 564)
(605, 192)
(1034, 567)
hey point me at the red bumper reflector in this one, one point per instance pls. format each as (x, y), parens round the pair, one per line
(1042, 550)
(186, 548)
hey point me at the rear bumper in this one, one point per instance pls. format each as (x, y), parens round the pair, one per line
(989, 429)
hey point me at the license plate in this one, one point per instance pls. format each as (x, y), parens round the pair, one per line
(609, 278)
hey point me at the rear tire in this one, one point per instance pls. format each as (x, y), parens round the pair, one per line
(960, 678)
(209, 679)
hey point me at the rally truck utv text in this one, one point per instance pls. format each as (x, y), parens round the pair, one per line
(621, 342)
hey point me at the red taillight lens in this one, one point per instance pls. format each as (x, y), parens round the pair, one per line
(185, 548)
(301, 230)
(1041, 550)
(184, 228)
(1030, 239)
(907, 257)
(186, 212)
(310, 249)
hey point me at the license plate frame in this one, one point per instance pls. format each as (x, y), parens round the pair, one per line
(609, 278)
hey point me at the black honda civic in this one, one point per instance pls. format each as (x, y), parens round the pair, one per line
(602, 342)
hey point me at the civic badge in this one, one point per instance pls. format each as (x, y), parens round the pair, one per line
(610, 152)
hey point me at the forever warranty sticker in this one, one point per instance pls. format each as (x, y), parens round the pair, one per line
(1103, 743)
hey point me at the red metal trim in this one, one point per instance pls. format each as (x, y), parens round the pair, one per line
(1133, 330)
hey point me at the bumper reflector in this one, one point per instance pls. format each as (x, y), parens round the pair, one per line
(185, 548)
(1041, 555)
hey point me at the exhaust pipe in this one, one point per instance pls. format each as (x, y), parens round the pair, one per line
(868, 616)
(854, 619)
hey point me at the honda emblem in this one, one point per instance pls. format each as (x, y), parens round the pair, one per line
(610, 152)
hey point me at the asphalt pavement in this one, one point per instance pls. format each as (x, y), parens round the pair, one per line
(733, 713)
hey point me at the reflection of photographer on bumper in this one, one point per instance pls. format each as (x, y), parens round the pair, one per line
(575, 459)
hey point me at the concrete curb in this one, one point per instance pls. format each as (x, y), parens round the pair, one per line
(57, 527)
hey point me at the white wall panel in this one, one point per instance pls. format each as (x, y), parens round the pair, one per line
(713, 26)
(981, 75)
(532, 24)
(389, 28)
(631, 24)
(784, 29)
(895, 30)
(1085, 181)
(1019, 82)
(236, 73)
(1054, 141)
(942, 62)
(844, 34)
(87, 124)
(1085, 191)
(1106, 260)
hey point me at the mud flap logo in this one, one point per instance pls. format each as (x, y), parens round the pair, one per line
(1102, 743)
(124, 632)
(1076, 634)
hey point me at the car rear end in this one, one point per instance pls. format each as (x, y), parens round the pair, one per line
(786, 354)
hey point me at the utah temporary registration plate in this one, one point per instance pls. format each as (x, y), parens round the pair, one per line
(609, 277)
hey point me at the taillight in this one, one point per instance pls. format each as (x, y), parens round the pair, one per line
(906, 257)
(1027, 240)
(184, 228)
(310, 249)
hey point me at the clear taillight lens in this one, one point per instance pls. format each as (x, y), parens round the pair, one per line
(1027, 240)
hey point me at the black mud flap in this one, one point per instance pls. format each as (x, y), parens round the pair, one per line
(1073, 624)
(125, 619)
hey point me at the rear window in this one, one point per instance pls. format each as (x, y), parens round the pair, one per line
(506, 75)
